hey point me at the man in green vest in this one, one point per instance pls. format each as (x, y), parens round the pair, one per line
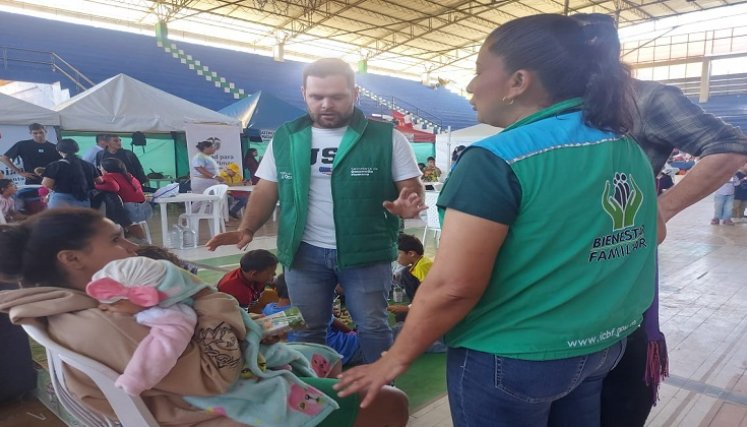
(340, 212)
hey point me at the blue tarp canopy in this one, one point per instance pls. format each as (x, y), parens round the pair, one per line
(262, 111)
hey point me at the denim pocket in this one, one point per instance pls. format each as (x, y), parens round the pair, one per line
(538, 381)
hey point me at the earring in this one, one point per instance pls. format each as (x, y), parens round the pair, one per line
(509, 102)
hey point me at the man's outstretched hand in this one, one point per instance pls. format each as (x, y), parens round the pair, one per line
(408, 204)
(240, 238)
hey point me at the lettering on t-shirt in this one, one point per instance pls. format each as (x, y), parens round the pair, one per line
(323, 163)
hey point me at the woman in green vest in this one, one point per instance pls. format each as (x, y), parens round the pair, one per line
(546, 261)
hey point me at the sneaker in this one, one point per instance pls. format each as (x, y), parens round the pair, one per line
(714, 221)
(728, 222)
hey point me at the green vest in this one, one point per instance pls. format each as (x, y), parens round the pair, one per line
(361, 181)
(577, 268)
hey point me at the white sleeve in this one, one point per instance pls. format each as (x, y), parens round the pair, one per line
(267, 169)
(404, 164)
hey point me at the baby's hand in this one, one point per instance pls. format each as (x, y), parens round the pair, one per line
(121, 307)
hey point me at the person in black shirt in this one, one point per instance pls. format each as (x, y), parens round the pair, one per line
(70, 178)
(35, 152)
(114, 149)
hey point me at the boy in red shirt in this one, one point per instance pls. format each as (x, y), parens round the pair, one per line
(246, 284)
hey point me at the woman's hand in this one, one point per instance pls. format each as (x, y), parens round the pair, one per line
(408, 204)
(369, 379)
(219, 178)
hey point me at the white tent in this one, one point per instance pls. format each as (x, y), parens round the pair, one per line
(13, 111)
(123, 104)
(447, 142)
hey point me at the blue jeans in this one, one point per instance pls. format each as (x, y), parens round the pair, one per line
(722, 206)
(65, 200)
(489, 390)
(311, 284)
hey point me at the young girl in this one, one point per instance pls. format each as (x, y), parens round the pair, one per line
(7, 203)
(117, 180)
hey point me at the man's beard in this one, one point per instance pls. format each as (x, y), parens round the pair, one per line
(340, 120)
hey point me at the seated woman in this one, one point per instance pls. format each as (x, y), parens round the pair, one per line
(116, 179)
(70, 179)
(62, 249)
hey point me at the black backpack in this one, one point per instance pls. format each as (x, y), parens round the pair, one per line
(138, 140)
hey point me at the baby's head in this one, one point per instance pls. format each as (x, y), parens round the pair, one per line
(133, 284)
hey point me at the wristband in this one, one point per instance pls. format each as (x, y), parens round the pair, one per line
(215, 176)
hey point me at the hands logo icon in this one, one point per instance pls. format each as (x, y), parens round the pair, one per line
(621, 200)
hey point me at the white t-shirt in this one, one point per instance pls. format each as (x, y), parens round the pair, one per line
(203, 160)
(91, 153)
(320, 224)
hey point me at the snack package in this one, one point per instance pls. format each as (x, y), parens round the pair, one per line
(283, 321)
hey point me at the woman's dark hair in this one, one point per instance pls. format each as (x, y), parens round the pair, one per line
(457, 151)
(570, 62)
(30, 247)
(114, 165)
(202, 145)
(78, 180)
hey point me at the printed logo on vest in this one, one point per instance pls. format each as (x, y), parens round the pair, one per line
(285, 176)
(621, 200)
(363, 171)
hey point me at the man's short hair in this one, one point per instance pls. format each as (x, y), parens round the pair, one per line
(408, 242)
(36, 126)
(258, 260)
(101, 137)
(281, 287)
(329, 67)
(431, 158)
(109, 136)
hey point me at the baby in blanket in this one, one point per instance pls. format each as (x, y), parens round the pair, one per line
(159, 295)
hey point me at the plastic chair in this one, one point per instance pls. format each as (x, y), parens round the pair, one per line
(146, 229)
(431, 216)
(205, 210)
(130, 410)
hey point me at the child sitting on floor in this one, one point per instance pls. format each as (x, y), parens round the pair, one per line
(247, 283)
(340, 337)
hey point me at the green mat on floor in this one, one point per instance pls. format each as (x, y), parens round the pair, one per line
(425, 381)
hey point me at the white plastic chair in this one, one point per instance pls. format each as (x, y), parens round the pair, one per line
(130, 410)
(205, 210)
(146, 229)
(431, 216)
